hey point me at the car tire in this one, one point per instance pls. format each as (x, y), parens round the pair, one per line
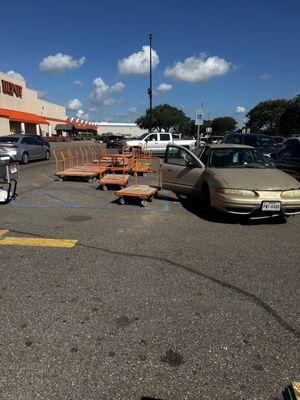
(47, 155)
(205, 198)
(25, 158)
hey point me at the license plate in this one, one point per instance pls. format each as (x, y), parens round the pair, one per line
(271, 206)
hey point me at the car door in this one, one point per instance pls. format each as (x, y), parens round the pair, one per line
(164, 140)
(152, 142)
(288, 160)
(181, 171)
(28, 147)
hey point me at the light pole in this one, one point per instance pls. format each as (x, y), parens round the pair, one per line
(150, 87)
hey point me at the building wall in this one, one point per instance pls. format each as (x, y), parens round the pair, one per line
(4, 126)
(127, 130)
(30, 103)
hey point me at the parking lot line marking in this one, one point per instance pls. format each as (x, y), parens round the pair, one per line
(37, 242)
(3, 232)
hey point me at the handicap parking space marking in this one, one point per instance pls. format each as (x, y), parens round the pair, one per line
(66, 203)
(34, 241)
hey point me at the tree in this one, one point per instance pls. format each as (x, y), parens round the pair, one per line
(290, 119)
(222, 125)
(166, 117)
(265, 116)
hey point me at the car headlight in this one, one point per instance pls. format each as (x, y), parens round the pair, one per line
(238, 193)
(291, 194)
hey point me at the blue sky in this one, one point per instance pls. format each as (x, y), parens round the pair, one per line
(226, 54)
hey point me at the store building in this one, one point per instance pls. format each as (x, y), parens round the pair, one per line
(126, 129)
(22, 111)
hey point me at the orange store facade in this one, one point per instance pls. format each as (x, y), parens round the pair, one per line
(22, 111)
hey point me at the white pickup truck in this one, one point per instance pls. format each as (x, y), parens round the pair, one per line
(157, 142)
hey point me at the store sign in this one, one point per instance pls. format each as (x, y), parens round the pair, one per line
(11, 89)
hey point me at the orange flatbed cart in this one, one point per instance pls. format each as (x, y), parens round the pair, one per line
(144, 193)
(114, 179)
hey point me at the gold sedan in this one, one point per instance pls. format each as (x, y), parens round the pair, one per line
(235, 179)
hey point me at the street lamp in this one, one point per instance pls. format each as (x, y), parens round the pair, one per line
(150, 87)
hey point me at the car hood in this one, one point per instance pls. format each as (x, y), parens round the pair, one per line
(253, 179)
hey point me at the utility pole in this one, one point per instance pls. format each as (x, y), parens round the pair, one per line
(150, 87)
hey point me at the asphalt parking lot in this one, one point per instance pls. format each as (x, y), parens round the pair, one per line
(156, 301)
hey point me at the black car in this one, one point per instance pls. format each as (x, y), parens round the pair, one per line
(288, 160)
(113, 140)
(263, 143)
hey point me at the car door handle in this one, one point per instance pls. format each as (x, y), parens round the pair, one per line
(169, 170)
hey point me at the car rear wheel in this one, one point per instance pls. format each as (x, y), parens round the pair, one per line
(25, 158)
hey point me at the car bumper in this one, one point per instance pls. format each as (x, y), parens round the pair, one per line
(12, 154)
(253, 207)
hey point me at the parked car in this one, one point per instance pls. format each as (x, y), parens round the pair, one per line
(113, 140)
(288, 160)
(278, 139)
(234, 179)
(291, 141)
(157, 142)
(212, 139)
(24, 148)
(263, 143)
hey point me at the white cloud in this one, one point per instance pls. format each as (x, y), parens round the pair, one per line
(77, 83)
(16, 75)
(162, 88)
(265, 77)
(198, 69)
(93, 109)
(102, 90)
(240, 110)
(82, 115)
(60, 63)
(133, 110)
(74, 105)
(138, 63)
(117, 87)
(110, 102)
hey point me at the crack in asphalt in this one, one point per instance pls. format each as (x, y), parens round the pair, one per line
(240, 292)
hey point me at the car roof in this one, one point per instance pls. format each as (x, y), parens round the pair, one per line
(248, 134)
(228, 146)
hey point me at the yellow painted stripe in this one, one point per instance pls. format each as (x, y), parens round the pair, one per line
(3, 232)
(37, 242)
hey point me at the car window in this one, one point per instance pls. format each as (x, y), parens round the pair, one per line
(251, 141)
(7, 139)
(291, 152)
(25, 140)
(289, 142)
(35, 140)
(233, 139)
(153, 136)
(164, 136)
(205, 156)
(178, 156)
(238, 158)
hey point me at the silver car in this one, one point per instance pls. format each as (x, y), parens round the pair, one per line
(24, 148)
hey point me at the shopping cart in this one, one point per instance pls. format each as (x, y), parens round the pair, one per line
(9, 176)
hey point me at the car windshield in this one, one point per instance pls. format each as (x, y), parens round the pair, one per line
(8, 139)
(143, 136)
(238, 158)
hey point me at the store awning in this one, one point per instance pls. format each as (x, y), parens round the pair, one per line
(64, 127)
(19, 116)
